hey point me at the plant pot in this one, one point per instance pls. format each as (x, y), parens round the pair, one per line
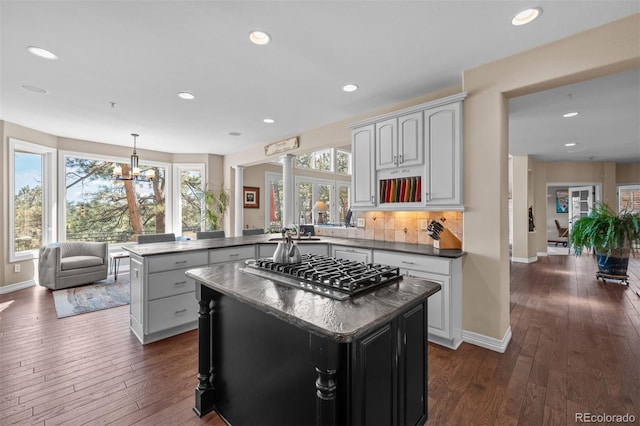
(615, 263)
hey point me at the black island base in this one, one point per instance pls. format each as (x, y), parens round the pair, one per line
(269, 363)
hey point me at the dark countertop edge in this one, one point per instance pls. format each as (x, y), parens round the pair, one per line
(153, 249)
(338, 337)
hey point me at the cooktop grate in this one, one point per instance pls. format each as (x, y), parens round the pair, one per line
(336, 278)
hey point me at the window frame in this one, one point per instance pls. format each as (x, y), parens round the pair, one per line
(315, 182)
(349, 163)
(176, 206)
(48, 196)
(62, 190)
(626, 187)
(268, 177)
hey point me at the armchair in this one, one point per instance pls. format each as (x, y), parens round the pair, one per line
(72, 263)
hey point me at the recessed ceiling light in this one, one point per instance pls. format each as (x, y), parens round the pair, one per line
(526, 16)
(42, 53)
(570, 144)
(570, 114)
(234, 133)
(350, 87)
(269, 120)
(35, 89)
(186, 95)
(259, 37)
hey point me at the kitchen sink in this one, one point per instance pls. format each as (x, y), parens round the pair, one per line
(296, 239)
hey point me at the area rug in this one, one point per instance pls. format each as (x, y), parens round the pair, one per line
(92, 297)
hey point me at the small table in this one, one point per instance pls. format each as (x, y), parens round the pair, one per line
(114, 262)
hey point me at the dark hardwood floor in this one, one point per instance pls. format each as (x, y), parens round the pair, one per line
(575, 348)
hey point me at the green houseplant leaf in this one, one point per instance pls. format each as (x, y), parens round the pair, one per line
(605, 231)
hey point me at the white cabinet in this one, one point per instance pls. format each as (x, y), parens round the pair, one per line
(444, 315)
(163, 298)
(363, 185)
(163, 301)
(443, 138)
(417, 153)
(399, 142)
(348, 253)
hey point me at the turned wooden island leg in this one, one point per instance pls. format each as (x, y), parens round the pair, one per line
(324, 357)
(206, 371)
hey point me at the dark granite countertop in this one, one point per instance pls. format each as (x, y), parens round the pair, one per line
(341, 321)
(180, 246)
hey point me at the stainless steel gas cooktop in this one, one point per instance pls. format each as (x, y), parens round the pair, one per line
(336, 278)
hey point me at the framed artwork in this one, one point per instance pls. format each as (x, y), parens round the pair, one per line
(562, 201)
(251, 197)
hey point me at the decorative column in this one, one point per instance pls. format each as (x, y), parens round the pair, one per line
(324, 357)
(205, 392)
(238, 210)
(287, 189)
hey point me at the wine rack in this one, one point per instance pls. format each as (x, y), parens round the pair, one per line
(400, 190)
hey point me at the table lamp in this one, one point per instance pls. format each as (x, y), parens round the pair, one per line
(320, 207)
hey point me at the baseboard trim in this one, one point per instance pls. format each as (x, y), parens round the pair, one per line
(542, 254)
(17, 286)
(524, 259)
(487, 342)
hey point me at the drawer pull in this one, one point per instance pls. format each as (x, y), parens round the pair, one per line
(234, 254)
(180, 261)
(181, 311)
(408, 263)
(180, 283)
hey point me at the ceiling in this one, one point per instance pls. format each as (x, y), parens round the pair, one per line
(122, 63)
(607, 127)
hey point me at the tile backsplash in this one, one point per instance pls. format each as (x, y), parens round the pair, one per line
(405, 227)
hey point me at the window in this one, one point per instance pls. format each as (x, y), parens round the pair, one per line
(629, 198)
(31, 199)
(343, 162)
(189, 211)
(99, 209)
(309, 191)
(344, 190)
(273, 204)
(324, 161)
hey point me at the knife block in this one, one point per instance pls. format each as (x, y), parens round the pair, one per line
(448, 240)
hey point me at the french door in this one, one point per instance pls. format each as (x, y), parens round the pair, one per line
(580, 203)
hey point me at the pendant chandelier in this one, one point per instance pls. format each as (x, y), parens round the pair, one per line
(134, 172)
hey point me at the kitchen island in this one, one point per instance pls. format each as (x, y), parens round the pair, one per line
(272, 354)
(162, 297)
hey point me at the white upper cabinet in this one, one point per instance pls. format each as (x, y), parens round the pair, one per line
(363, 159)
(410, 159)
(399, 142)
(443, 183)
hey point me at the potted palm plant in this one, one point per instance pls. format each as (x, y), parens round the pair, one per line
(613, 236)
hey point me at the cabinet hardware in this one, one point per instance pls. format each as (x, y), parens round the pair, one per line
(180, 283)
(180, 261)
(180, 311)
(234, 254)
(400, 161)
(408, 263)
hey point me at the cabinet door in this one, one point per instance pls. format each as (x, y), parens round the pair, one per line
(439, 312)
(443, 186)
(412, 366)
(374, 387)
(386, 144)
(363, 171)
(135, 283)
(410, 140)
